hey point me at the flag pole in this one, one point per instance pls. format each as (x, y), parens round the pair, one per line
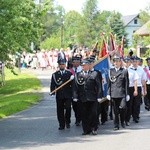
(60, 86)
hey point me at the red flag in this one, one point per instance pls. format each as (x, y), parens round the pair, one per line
(121, 47)
(103, 49)
(112, 44)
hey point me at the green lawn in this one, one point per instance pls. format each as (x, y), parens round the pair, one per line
(19, 93)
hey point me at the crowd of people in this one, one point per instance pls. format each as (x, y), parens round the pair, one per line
(47, 58)
(128, 85)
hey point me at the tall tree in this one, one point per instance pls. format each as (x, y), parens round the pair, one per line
(19, 25)
(117, 27)
(90, 11)
(71, 25)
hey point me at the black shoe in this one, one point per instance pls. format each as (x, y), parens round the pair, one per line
(103, 123)
(123, 125)
(147, 108)
(67, 126)
(86, 133)
(111, 117)
(61, 128)
(94, 132)
(127, 123)
(116, 128)
(77, 123)
(136, 121)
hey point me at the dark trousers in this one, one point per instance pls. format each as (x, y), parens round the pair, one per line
(77, 106)
(104, 111)
(89, 116)
(98, 113)
(111, 110)
(136, 105)
(129, 105)
(63, 111)
(119, 113)
(147, 97)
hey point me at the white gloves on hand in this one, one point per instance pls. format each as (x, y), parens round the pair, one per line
(75, 99)
(108, 97)
(99, 100)
(127, 98)
(71, 77)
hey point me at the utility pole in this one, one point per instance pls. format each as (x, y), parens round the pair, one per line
(62, 32)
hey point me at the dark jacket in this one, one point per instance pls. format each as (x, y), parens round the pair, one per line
(118, 83)
(87, 88)
(57, 80)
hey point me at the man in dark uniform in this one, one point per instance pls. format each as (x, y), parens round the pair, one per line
(76, 105)
(118, 86)
(102, 108)
(63, 95)
(87, 89)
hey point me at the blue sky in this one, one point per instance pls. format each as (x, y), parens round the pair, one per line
(125, 7)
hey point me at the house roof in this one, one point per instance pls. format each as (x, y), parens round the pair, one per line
(144, 30)
(128, 19)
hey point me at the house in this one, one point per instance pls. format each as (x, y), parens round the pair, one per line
(131, 24)
(144, 30)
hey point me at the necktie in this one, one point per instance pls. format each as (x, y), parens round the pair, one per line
(86, 72)
(62, 72)
(75, 70)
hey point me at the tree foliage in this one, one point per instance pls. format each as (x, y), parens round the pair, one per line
(145, 15)
(143, 41)
(117, 27)
(71, 25)
(48, 25)
(20, 24)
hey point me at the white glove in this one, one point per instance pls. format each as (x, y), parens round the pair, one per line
(127, 98)
(99, 100)
(108, 97)
(75, 99)
(53, 95)
(71, 77)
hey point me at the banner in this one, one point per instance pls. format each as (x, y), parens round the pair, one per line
(103, 67)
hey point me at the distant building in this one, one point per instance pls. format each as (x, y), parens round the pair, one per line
(144, 30)
(131, 24)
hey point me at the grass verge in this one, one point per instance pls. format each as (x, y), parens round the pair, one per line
(19, 93)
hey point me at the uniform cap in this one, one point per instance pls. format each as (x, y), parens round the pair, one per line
(61, 62)
(126, 59)
(85, 61)
(116, 58)
(76, 58)
(135, 58)
(91, 59)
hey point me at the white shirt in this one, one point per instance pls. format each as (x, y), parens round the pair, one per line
(133, 76)
(78, 69)
(147, 78)
(117, 69)
(141, 74)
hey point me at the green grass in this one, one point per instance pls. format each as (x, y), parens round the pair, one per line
(19, 93)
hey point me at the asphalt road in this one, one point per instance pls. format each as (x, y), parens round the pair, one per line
(37, 129)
